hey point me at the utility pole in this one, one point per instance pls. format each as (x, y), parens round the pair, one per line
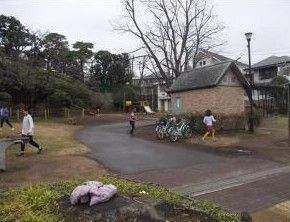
(289, 113)
(251, 119)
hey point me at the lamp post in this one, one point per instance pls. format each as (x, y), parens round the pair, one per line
(251, 119)
(124, 96)
(288, 112)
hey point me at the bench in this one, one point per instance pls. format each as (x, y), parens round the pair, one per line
(4, 145)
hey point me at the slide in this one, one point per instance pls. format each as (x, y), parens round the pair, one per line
(148, 110)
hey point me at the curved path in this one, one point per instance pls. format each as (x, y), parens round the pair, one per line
(187, 171)
(122, 153)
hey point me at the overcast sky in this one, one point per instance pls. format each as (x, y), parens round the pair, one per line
(93, 21)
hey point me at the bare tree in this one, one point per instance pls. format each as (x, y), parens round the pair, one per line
(178, 30)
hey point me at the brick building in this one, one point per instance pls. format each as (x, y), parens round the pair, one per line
(219, 87)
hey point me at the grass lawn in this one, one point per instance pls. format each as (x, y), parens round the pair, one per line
(275, 122)
(39, 202)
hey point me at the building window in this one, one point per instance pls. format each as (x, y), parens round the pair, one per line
(204, 62)
(200, 63)
(268, 73)
(177, 104)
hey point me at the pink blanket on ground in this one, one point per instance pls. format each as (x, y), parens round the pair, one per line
(92, 191)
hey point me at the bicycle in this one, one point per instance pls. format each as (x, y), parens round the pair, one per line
(181, 129)
(163, 128)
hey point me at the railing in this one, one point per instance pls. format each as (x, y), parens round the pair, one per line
(49, 113)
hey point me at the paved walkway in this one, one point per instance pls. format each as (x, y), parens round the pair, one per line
(184, 169)
(255, 196)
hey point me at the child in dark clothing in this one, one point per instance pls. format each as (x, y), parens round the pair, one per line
(132, 119)
(4, 116)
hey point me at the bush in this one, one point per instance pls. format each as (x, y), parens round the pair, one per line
(127, 92)
(223, 122)
(257, 117)
(103, 101)
(67, 91)
(5, 97)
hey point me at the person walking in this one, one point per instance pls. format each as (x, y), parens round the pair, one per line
(27, 131)
(132, 119)
(209, 120)
(5, 117)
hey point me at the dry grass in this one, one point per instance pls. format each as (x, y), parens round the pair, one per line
(62, 157)
(220, 140)
(275, 122)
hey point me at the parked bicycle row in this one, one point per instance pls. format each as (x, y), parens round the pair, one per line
(170, 127)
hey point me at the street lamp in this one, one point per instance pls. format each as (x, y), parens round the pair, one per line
(251, 119)
(124, 96)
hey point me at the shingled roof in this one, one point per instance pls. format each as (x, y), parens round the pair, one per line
(272, 60)
(205, 77)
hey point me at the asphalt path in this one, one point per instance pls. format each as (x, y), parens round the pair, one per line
(186, 170)
(122, 153)
(117, 150)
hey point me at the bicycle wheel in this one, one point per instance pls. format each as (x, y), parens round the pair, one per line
(187, 132)
(159, 133)
(173, 136)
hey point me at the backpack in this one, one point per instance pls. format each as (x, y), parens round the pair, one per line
(5, 112)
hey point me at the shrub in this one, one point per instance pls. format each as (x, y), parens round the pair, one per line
(257, 117)
(5, 97)
(223, 122)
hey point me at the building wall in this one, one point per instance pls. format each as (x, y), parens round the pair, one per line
(226, 99)
(205, 61)
(163, 99)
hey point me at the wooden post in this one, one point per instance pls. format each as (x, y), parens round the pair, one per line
(10, 112)
(45, 114)
(68, 113)
(83, 113)
(17, 115)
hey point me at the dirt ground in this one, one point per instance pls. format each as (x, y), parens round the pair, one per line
(269, 140)
(62, 157)
(131, 208)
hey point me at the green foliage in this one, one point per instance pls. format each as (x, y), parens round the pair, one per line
(67, 91)
(5, 97)
(25, 84)
(55, 51)
(14, 37)
(110, 71)
(127, 92)
(39, 202)
(280, 80)
(31, 79)
(79, 57)
(33, 203)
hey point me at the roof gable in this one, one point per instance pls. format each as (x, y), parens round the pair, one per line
(220, 58)
(205, 77)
